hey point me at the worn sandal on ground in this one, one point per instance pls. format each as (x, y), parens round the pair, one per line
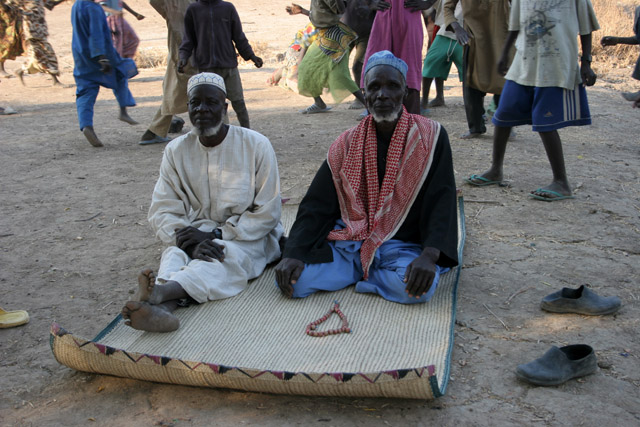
(558, 365)
(9, 319)
(580, 301)
(555, 194)
(484, 181)
(314, 109)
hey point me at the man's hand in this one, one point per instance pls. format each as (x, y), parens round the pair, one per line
(294, 9)
(609, 41)
(379, 5)
(288, 272)
(587, 74)
(461, 34)
(208, 250)
(181, 64)
(421, 272)
(417, 5)
(105, 65)
(257, 61)
(190, 236)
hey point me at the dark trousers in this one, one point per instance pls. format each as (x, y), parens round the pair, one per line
(474, 101)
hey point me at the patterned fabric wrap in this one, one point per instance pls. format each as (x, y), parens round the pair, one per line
(42, 58)
(373, 213)
(336, 41)
(10, 33)
(124, 37)
(304, 37)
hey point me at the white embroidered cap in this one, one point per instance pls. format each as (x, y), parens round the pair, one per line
(206, 79)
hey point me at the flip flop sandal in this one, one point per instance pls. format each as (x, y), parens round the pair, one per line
(9, 319)
(485, 181)
(314, 109)
(555, 194)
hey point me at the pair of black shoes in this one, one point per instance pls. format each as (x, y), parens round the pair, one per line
(558, 365)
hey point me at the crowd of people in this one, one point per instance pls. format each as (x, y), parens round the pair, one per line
(381, 210)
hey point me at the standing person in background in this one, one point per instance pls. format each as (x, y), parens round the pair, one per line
(212, 33)
(125, 39)
(96, 63)
(10, 34)
(326, 63)
(174, 84)
(545, 86)
(398, 29)
(42, 58)
(483, 36)
(359, 16)
(444, 51)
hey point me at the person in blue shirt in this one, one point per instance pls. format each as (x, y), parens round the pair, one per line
(96, 63)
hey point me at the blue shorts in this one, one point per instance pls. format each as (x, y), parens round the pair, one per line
(546, 108)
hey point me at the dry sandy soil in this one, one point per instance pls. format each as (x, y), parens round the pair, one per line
(73, 235)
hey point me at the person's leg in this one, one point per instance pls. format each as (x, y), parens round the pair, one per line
(235, 94)
(560, 183)
(474, 109)
(412, 101)
(125, 99)
(438, 101)
(3, 72)
(158, 129)
(387, 273)
(86, 94)
(426, 87)
(515, 108)
(473, 102)
(343, 271)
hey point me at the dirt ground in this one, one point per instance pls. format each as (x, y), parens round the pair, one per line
(73, 235)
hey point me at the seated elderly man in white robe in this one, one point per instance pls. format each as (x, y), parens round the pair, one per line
(217, 202)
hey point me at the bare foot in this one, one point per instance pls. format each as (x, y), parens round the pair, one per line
(146, 285)
(554, 191)
(124, 116)
(20, 74)
(471, 135)
(356, 105)
(146, 317)
(436, 102)
(91, 136)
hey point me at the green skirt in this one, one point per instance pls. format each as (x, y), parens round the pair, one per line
(317, 71)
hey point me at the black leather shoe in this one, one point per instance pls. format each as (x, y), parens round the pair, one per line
(580, 301)
(559, 365)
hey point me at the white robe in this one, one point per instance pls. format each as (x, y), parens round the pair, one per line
(234, 186)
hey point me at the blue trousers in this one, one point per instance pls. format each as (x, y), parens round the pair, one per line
(386, 274)
(87, 92)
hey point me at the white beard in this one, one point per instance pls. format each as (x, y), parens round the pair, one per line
(387, 118)
(210, 131)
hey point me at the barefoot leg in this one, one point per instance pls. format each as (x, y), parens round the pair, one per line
(152, 318)
(124, 116)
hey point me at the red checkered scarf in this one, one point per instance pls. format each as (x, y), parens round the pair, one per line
(372, 212)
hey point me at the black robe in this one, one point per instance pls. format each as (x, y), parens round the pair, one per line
(431, 222)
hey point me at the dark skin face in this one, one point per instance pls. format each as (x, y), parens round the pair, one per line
(384, 92)
(207, 105)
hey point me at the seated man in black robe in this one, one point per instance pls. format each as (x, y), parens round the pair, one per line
(381, 211)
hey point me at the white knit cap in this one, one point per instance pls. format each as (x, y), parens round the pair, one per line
(206, 79)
